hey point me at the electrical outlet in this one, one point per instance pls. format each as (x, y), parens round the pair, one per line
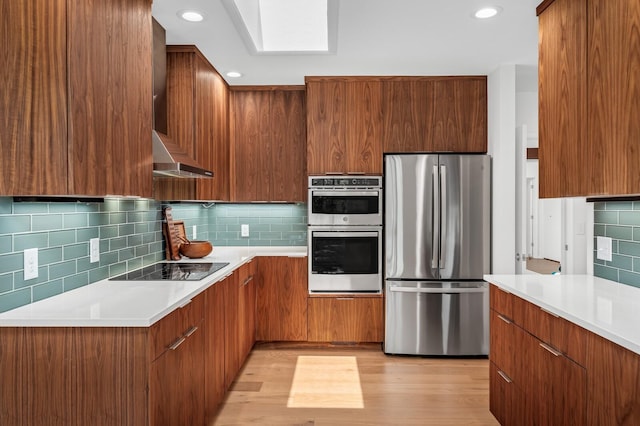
(603, 251)
(94, 250)
(30, 264)
(244, 230)
(194, 233)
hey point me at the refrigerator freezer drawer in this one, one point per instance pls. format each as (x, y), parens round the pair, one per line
(437, 319)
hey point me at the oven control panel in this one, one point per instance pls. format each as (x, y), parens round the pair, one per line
(345, 181)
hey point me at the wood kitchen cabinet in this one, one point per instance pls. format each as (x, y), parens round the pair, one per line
(198, 121)
(282, 299)
(351, 121)
(74, 124)
(587, 122)
(351, 319)
(268, 144)
(214, 351)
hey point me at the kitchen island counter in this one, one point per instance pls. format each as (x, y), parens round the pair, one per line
(606, 308)
(132, 303)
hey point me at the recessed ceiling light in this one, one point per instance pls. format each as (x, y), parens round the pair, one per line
(191, 15)
(487, 12)
(234, 74)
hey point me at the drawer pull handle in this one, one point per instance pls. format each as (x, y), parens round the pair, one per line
(177, 343)
(185, 303)
(190, 331)
(247, 281)
(550, 349)
(344, 298)
(504, 319)
(550, 313)
(504, 376)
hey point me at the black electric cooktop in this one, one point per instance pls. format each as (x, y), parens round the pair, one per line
(169, 271)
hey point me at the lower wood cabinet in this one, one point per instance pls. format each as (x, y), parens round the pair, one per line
(214, 350)
(282, 293)
(345, 319)
(545, 370)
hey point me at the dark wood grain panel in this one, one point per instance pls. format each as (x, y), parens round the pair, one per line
(345, 319)
(37, 376)
(459, 121)
(614, 95)
(250, 145)
(110, 376)
(289, 146)
(404, 110)
(614, 383)
(214, 330)
(215, 145)
(364, 130)
(282, 299)
(564, 149)
(33, 98)
(182, 68)
(231, 329)
(110, 85)
(326, 127)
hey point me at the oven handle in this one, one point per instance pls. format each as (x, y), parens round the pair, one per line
(344, 234)
(345, 193)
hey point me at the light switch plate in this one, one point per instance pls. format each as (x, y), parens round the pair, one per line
(94, 250)
(603, 251)
(194, 234)
(30, 263)
(244, 230)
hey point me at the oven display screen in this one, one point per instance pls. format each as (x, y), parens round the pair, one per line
(344, 204)
(345, 255)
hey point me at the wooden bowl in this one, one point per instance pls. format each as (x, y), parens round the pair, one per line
(196, 249)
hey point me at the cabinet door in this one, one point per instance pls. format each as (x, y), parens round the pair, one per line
(289, 146)
(282, 299)
(33, 106)
(326, 127)
(250, 145)
(613, 93)
(231, 329)
(505, 398)
(614, 383)
(364, 129)
(405, 110)
(565, 158)
(110, 94)
(345, 319)
(459, 120)
(214, 331)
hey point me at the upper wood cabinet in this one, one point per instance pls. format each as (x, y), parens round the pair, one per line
(72, 122)
(197, 119)
(268, 144)
(588, 109)
(351, 121)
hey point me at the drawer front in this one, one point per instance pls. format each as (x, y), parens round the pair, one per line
(174, 326)
(345, 319)
(501, 301)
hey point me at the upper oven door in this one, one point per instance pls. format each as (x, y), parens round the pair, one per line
(345, 207)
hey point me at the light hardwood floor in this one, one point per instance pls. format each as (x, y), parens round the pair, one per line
(395, 390)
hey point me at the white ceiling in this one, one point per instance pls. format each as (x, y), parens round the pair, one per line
(375, 37)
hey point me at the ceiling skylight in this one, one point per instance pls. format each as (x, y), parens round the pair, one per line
(285, 26)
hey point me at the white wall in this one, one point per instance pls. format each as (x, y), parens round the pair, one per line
(501, 91)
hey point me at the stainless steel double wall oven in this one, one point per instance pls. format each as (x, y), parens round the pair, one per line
(345, 234)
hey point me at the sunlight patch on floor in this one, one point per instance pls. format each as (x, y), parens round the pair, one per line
(326, 382)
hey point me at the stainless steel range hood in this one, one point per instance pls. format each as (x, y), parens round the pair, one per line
(169, 159)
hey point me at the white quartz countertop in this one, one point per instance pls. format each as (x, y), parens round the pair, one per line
(607, 308)
(132, 303)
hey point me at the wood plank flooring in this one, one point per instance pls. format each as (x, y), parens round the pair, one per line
(396, 390)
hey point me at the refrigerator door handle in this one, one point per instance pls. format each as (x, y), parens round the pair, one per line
(443, 214)
(435, 218)
(437, 290)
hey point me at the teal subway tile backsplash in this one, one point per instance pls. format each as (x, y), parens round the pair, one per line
(130, 233)
(269, 224)
(620, 221)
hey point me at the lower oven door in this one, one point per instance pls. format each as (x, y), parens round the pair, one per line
(345, 259)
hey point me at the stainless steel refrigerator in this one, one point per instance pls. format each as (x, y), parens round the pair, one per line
(437, 248)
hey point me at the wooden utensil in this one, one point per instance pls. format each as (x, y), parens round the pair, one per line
(172, 237)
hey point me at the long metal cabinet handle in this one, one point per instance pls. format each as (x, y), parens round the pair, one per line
(247, 281)
(550, 313)
(504, 319)
(435, 218)
(504, 376)
(191, 331)
(550, 349)
(443, 215)
(437, 290)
